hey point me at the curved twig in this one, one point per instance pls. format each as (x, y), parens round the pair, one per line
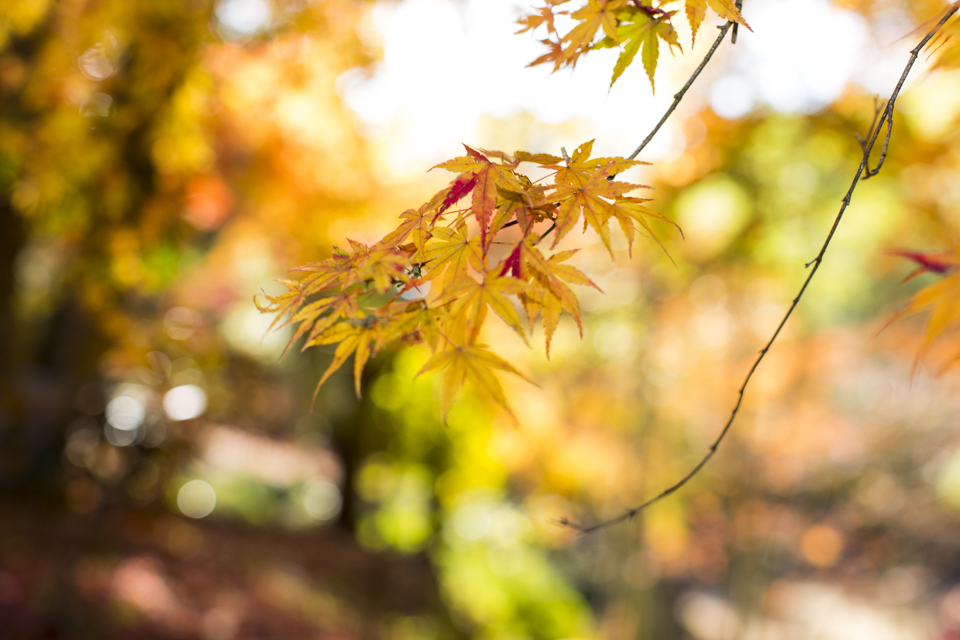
(862, 171)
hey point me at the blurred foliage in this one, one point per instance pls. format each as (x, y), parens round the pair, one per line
(163, 475)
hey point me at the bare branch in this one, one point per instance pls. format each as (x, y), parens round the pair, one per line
(736, 30)
(864, 172)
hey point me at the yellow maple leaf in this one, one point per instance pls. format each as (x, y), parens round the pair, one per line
(470, 298)
(726, 9)
(450, 253)
(475, 364)
(596, 14)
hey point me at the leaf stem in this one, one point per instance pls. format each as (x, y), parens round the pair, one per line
(862, 171)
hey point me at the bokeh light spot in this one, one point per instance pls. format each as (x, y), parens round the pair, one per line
(321, 500)
(821, 545)
(243, 16)
(196, 499)
(125, 413)
(185, 402)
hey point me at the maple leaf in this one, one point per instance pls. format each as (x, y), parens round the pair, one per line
(359, 336)
(521, 207)
(549, 295)
(582, 187)
(486, 177)
(463, 185)
(644, 31)
(554, 54)
(696, 11)
(539, 158)
(580, 167)
(318, 316)
(418, 222)
(451, 252)
(543, 15)
(596, 14)
(379, 265)
(630, 212)
(727, 9)
(346, 300)
(543, 304)
(412, 322)
(940, 299)
(475, 364)
(470, 299)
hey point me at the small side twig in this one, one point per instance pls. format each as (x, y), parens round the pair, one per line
(880, 115)
(862, 172)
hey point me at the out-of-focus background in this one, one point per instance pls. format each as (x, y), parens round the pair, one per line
(162, 474)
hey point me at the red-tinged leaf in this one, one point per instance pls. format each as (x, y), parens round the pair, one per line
(940, 300)
(473, 153)
(512, 264)
(489, 176)
(463, 185)
(547, 276)
(940, 262)
(484, 203)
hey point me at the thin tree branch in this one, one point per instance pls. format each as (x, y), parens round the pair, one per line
(677, 97)
(862, 171)
(736, 27)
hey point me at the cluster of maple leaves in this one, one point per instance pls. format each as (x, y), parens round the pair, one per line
(357, 299)
(628, 24)
(490, 255)
(487, 256)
